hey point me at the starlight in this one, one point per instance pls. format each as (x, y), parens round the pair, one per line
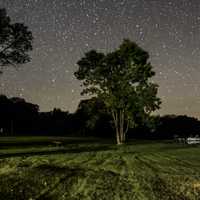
(64, 30)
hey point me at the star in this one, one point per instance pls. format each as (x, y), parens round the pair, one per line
(65, 30)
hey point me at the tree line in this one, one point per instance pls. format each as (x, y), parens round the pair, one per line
(91, 119)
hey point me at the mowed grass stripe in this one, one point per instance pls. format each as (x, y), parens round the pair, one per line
(98, 170)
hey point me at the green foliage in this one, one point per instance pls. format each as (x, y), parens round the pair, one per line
(15, 41)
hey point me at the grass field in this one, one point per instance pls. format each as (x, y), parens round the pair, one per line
(80, 169)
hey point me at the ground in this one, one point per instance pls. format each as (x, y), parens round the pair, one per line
(80, 169)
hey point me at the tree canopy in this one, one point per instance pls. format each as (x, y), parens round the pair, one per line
(15, 41)
(121, 80)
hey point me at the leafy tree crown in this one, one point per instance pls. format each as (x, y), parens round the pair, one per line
(120, 79)
(15, 41)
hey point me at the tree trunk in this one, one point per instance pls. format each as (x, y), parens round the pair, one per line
(119, 121)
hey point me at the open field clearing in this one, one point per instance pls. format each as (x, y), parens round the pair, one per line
(89, 169)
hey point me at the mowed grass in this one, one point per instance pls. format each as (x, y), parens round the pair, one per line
(81, 169)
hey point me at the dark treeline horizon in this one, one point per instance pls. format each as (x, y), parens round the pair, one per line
(21, 118)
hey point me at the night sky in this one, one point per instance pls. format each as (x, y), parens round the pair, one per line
(64, 29)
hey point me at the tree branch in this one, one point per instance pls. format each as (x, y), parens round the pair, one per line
(11, 44)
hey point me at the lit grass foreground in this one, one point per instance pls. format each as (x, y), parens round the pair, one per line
(100, 171)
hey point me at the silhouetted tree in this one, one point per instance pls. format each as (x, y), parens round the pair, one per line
(93, 118)
(146, 129)
(181, 125)
(17, 115)
(15, 41)
(121, 80)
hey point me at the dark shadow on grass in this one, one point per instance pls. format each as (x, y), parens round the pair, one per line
(11, 144)
(57, 151)
(176, 146)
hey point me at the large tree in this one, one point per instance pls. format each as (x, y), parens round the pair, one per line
(121, 80)
(15, 41)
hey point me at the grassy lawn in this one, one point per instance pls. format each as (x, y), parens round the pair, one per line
(80, 169)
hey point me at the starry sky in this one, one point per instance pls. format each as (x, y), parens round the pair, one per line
(64, 29)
